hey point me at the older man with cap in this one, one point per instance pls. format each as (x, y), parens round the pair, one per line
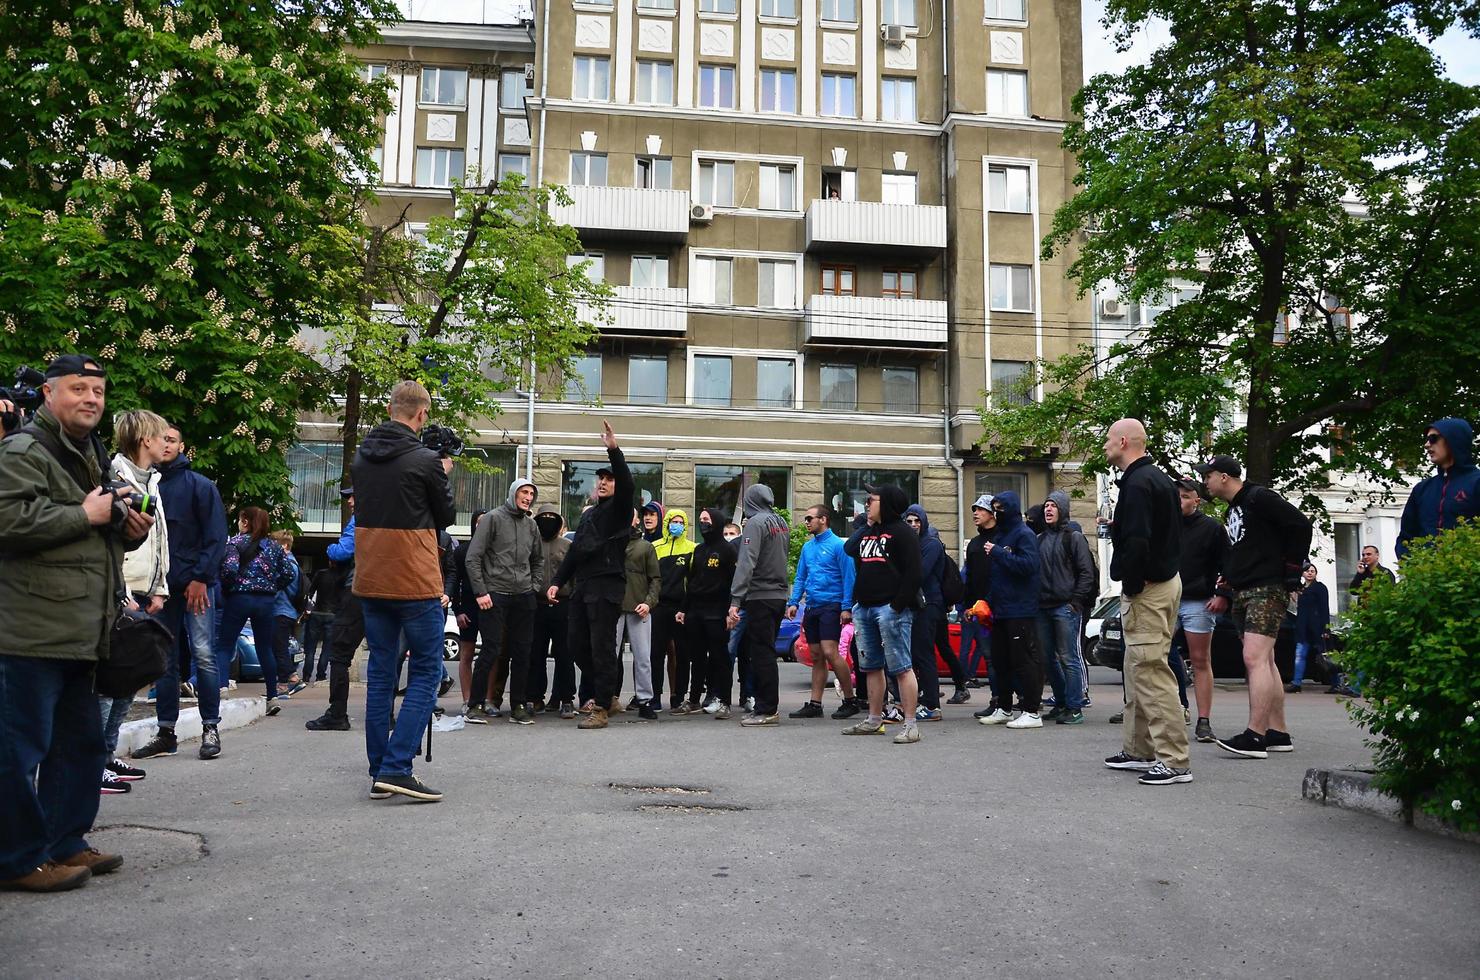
(62, 539)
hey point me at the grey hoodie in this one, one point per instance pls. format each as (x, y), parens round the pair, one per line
(760, 572)
(506, 556)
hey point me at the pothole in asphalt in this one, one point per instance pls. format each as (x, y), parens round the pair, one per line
(665, 790)
(149, 848)
(694, 808)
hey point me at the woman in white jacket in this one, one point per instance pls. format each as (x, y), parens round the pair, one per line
(140, 439)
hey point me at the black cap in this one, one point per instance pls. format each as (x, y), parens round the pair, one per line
(1192, 486)
(605, 471)
(653, 506)
(346, 491)
(69, 364)
(1221, 464)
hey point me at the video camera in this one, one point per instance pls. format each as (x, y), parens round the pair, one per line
(25, 395)
(442, 441)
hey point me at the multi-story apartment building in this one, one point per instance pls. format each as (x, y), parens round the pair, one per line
(821, 219)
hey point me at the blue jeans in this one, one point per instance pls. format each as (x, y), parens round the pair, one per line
(112, 712)
(194, 631)
(48, 719)
(1302, 652)
(881, 635)
(239, 607)
(386, 620)
(739, 653)
(1058, 639)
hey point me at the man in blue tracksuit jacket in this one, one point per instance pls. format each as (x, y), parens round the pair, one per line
(1451, 493)
(346, 634)
(1012, 592)
(825, 577)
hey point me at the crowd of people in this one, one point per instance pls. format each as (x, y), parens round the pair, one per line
(83, 537)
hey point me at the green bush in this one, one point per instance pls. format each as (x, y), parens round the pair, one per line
(1414, 647)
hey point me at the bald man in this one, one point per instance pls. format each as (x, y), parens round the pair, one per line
(1146, 533)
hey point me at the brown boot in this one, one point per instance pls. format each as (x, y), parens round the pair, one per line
(50, 877)
(616, 707)
(596, 719)
(95, 861)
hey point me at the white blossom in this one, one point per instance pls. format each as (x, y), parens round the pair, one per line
(1456, 805)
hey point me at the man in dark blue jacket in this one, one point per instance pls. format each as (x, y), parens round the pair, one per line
(1014, 583)
(1453, 492)
(929, 616)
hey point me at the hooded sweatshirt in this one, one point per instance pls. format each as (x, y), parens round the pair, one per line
(886, 556)
(657, 533)
(506, 556)
(402, 499)
(1439, 501)
(932, 557)
(548, 521)
(674, 555)
(711, 569)
(1203, 545)
(824, 573)
(596, 561)
(146, 569)
(1066, 571)
(196, 522)
(1013, 564)
(765, 543)
(1268, 540)
(642, 573)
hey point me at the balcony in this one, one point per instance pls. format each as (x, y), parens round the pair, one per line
(633, 213)
(875, 319)
(653, 310)
(873, 226)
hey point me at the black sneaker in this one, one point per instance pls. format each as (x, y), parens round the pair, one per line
(1054, 713)
(960, 697)
(124, 771)
(849, 708)
(634, 704)
(1069, 717)
(521, 716)
(1118, 718)
(406, 786)
(986, 712)
(378, 794)
(111, 785)
(1275, 741)
(1162, 774)
(210, 742)
(328, 723)
(1245, 743)
(812, 709)
(1123, 760)
(163, 743)
(1292, 688)
(646, 712)
(1204, 731)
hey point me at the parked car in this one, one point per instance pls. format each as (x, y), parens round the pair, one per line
(1094, 624)
(245, 664)
(1228, 647)
(451, 636)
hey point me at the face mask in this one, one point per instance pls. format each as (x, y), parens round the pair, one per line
(676, 529)
(731, 537)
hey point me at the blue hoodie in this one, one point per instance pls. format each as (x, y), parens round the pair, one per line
(1013, 563)
(1440, 501)
(932, 557)
(197, 525)
(824, 573)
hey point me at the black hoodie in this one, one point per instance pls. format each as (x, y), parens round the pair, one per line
(597, 559)
(886, 556)
(1268, 540)
(402, 499)
(711, 570)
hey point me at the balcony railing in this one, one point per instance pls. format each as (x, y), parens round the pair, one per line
(618, 212)
(645, 309)
(866, 224)
(878, 319)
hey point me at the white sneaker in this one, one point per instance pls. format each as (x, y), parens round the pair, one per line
(712, 708)
(998, 717)
(748, 704)
(1026, 719)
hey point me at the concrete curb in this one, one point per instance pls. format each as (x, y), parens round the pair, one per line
(1353, 789)
(235, 713)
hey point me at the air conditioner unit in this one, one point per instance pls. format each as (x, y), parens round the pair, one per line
(701, 214)
(1112, 308)
(893, 35)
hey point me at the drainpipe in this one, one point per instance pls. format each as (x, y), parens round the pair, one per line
(539, 179)
(948, 148)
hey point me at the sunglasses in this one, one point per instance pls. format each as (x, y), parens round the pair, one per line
(912, 520)
(1432, 438)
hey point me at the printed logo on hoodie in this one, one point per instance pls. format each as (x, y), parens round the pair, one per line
(874, 547)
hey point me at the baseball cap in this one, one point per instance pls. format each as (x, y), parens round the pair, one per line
(605, 471)
(1221, 464)
(984, 502)
(346, 491)
(654, 506)
(69, 364)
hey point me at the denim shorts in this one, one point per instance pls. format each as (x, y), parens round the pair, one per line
(823, 622)
(1193, 616)
(881, 638)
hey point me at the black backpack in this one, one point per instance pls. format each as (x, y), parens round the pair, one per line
(137, 650)
(952, 591)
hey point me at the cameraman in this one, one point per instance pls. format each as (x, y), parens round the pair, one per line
(403, 500)
(62, 539)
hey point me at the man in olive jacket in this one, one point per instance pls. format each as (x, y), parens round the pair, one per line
(61, 566)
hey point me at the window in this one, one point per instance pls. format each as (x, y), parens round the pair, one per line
(1007, 92)
(779, 8)
(372, 73)
(650, 270)
(655, 4)
(717, 183)
(714, 280)
(711, 380)
(444, 86)
(778, 90)
(578, 482)
(1007, 188)
(778, 187)
(995, 483)
(588, 169)
(839, 280)
(647, 380)
(776, 283)
(838, 95)
(1348, 541)
(717, 6)
(898, 12)
(840, 185)
(716, 86)
(898, 103)
(842, 11)
(899, 284)
(723, 487)
(596, 271)
(1007, 9)
(901, 390)
(775, 382)
(655, 82)
(1012, 383)
(843, 491)
(1012, 287)
(438, 168)
(655, 173)
(513, 163)
(583, 380)
(900, 188)
(591, 79)
(839, 384)
(513, 88)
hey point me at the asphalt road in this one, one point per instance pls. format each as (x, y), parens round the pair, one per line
(976, 852)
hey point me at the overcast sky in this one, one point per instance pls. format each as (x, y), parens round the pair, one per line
(1460, 53)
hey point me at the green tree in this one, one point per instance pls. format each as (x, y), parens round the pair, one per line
(1275, 159)
(167, 165)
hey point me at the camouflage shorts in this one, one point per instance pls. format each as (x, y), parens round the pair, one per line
(1261, 610)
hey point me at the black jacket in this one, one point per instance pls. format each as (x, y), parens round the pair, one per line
(1362, 578)
(402, 501)
(1268, 540)
(1147, 528)
(1066, 571)
(977, 572)
(596, 563)
(886, 556)
(711, 570)
(1313, 615)
(1203, 546)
